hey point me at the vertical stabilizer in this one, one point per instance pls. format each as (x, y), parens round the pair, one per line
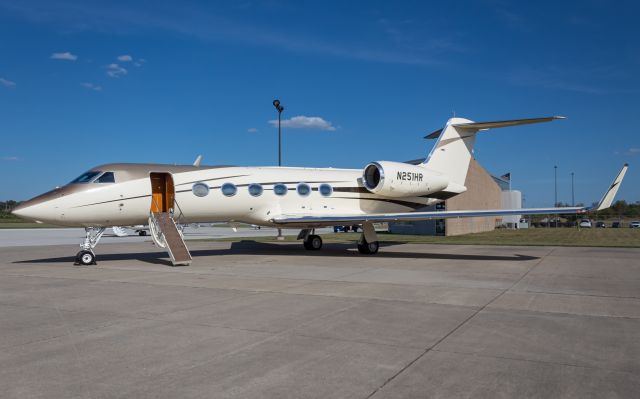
(453, 151)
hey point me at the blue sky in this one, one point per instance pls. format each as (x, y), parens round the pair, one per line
(84, 83)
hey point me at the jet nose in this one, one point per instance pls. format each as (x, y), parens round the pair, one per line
(39, 208)
(25, 210)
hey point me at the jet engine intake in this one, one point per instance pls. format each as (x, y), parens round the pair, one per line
(396, 179)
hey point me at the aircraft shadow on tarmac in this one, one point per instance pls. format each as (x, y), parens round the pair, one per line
(250, 247)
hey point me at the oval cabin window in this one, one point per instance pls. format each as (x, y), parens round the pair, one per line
(304, 189)
(229, 189)
(200, 190)
(280, 189)
(325, 189)
(255, 190)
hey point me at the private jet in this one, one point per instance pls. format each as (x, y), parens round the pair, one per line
(163, 196)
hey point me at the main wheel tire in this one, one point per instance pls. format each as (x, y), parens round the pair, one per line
(313, 243)
(85, 258)
(142, 233)
(368, 248)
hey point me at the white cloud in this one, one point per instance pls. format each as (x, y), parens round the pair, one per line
(305, 122)
(115, 70)
(10, 158)
(633, 151)
(125, 58)
(7, 83)
(91, 86)
(67, 56)
(252, 130)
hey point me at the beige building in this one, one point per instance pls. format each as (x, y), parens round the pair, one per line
(482, 193)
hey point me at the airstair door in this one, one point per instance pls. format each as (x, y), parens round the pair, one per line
(162, 192)
(163, 228)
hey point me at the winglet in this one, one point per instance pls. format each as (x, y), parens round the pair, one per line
(196, 163)
(607, 198)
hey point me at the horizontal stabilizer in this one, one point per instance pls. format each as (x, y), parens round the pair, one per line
(434, 135)
(495, 124)
(513, 122)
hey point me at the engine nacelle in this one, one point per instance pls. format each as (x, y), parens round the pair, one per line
(395, 179)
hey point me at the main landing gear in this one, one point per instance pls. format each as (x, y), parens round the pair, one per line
(86, 256)
(367, 244)
(310, 241)
(367, 248)
(313, 242)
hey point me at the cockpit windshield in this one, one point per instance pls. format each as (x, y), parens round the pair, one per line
(107, 177)
(86, 177)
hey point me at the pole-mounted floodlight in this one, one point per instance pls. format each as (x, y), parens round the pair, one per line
(276, 103)
(279, 108)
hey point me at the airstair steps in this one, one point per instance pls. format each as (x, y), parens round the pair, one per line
(174, 242)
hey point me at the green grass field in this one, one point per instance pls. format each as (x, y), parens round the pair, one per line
(623, 237)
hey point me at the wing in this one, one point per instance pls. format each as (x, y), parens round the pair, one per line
(328, 220)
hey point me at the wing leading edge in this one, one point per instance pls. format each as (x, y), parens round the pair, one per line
(327, 220)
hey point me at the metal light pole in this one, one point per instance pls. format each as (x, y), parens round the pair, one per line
(279, 108)
(573, 199)
(555, 190)
(555, 185)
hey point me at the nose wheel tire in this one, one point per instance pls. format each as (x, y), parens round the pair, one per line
(313, 243)
(368, 248)
(85, 258)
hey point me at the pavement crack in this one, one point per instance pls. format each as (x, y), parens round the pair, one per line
(458, 327)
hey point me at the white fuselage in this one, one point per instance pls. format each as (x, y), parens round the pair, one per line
(128, 200)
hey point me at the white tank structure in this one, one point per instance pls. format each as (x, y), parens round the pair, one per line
(511, 199)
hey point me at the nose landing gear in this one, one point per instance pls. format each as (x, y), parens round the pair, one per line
(86, 256)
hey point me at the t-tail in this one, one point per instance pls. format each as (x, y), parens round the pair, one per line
(452, 152)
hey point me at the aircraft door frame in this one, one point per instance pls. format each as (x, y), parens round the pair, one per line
(163, 194)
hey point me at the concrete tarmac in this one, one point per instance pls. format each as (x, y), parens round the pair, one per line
(257, 320)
